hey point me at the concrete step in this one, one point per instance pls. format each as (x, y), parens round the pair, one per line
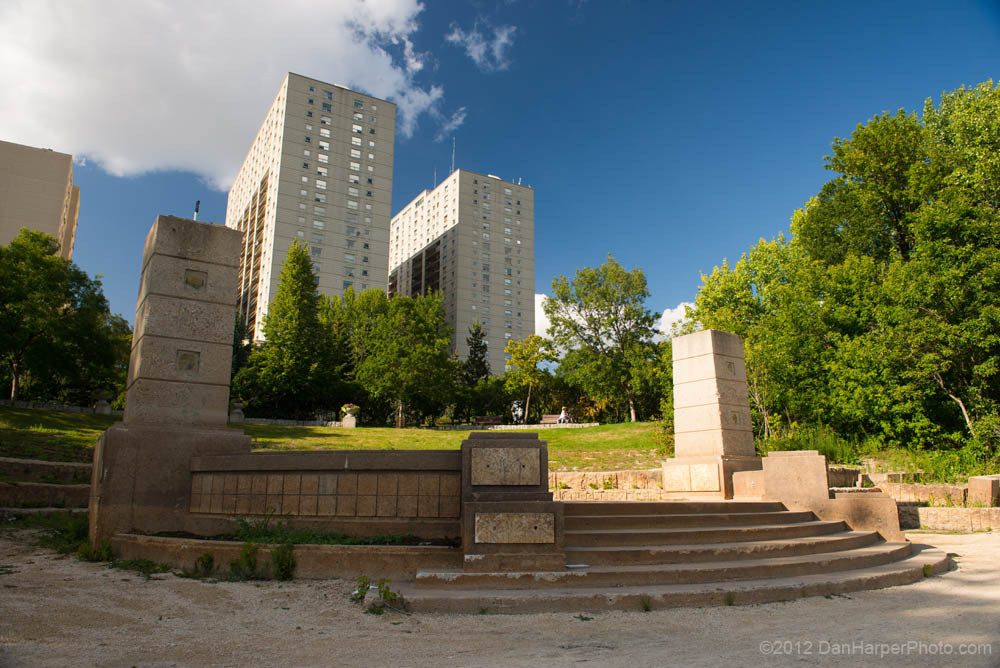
(571, 508)
(677, 554)
(660, 574)
(678, 520)
(653, 597)
(688, 535)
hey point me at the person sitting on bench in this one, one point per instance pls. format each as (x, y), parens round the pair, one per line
(563, 416)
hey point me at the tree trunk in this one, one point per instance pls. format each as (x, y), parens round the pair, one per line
(399, 415)
(631, 408)
(527, 405)
(15, 379)
(965, 413)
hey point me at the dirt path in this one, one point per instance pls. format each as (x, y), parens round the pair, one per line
(57, 611)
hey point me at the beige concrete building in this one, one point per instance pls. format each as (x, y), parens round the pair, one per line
(37, 192)
(320, 172)
(473, 239)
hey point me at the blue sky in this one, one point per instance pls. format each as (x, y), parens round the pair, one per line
(671, 135)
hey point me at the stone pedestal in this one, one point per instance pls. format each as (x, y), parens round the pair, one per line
(350, 421)
(984, 491)
(713, 436)
(177, 398)
(509, 521)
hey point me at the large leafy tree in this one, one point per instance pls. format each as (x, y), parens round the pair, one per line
(881, 315)
(525, 367)
(601, 314)
(56, 329)
(406, 360)
(474, 390)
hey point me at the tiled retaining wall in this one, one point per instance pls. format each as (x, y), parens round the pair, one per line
(933, 494)
(912, 516)
(372, 485)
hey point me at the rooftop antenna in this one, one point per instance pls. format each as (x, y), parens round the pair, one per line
(197, 205)
(453, 153)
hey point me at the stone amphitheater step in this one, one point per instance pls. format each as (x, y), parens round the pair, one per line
(571, 508)
(662, 574)
(689, 535)
(679, 520)
(676, 554)
(644, 597)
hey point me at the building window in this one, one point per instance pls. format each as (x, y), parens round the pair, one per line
(357, 115)
(309, 114)
(327, 106)
(349, 271)
(305, 165)
(328, 95)
(316, 267)
(304, 193)
(321, 171)
(309, 101)
(351, 204)
(317, 238)
(347, 284)
(319, 224)
(355, 153)
(321, 184)
(353, 178)
(325, 120)
(320, 197)
(357, 142)
(352, 191)
(308, 140)
(324, 145)
(355, 166)
(364, 258)
(315, 251)
(357, 129)
(349, 257)
(350, 244)
(306, 153)
(323, 157)
(358, 104)
(324, 132)
(305, 179)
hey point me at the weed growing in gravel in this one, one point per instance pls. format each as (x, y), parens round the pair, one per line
(283, 562)
(99, 552)
(387, 598)
(645, 603)
(144, 567)
(245, 566)
(204, 567)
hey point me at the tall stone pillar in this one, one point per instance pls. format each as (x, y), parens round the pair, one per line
(177, 398)
(713, 436)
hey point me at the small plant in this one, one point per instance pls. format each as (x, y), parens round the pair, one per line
(561, 485)
(364, 584)
(245, 567)
(592, 485)
(204, 566)
(730, 598)
(484, 610)
(645, 603)
(927, 570)
(144, 567)
(583, 618)
(283, 562)
(99, 552)
(608, 483)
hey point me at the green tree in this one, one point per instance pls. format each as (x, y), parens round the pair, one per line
(472, 392)
(406, 357)
(295, 372)
(524, 367)
(55, 325)
(602, 314)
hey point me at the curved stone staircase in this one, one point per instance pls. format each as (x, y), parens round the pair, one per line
(648, 555)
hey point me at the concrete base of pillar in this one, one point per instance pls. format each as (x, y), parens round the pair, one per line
(704, 477)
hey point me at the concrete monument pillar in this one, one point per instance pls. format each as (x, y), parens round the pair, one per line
(177, 397)
(713, 436)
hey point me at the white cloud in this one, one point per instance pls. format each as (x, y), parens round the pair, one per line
(488, 54)
(452, 124)
(670, 317)
(541, 320)
(143, 85)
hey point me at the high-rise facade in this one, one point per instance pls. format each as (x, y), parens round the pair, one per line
(37, 192)
(320, 172)
(472, 238)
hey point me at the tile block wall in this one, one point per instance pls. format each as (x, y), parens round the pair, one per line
(397, 495)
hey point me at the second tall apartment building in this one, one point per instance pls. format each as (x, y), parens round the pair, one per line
(319, 171)
(473, 239)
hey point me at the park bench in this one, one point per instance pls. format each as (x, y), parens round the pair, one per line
(483, 420)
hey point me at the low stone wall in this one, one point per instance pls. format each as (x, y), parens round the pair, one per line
(535, 427)
(912, 516)
(54, 407)
(843, 476)
(40, 494)
(312, 561)
(608, 495)
(36, 470)
(288, 423)
(606, 480)
(935, 495)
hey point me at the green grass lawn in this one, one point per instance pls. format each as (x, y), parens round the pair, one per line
(59, 436)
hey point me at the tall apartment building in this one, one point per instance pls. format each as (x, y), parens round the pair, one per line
(320, 172)
(37, 192)
(473, 239)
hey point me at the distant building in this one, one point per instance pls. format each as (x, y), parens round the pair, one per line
(320, 172)
(473, 239)
(37, 192)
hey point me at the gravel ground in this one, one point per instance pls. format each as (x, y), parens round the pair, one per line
(57, 611)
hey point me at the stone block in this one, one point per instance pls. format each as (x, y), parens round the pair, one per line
(157, 402)
(505, 466)
(367, 483)
(706, 367)
(984, 490)
(427, 506)
(192, 240)
(309, 484)
(407, 484)
(347, 483)
(188, 279)
(515, 528)
(326, 506)
(385, 506)
(710, 391)
(367, 505)
(712, 416)
(347, 505)
(706, 342)
(307, 504)
(748, 484)
(184, 319)
(429, 484)
(714, 442)
(798, 477)
(703, 477)
(180, 361)
(406, 506)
